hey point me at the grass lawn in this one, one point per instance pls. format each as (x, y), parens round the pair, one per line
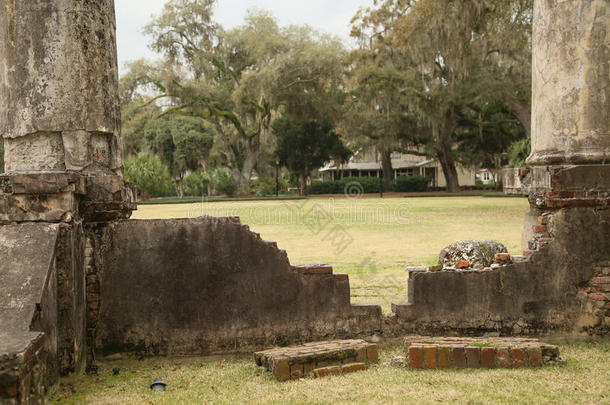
(371, 239)
(381, 237)
(236, 380)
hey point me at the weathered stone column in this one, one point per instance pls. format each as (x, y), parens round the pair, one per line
(59, 107)
(570, 157)
(59, 111)
(571, 82)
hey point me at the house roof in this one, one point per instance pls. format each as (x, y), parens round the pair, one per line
(401, 164)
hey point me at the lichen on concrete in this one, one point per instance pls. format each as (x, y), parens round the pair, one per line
(571, 82)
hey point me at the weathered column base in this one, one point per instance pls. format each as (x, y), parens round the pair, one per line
(64, 197)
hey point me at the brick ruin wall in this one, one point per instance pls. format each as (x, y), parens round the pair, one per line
(209, 285)
(212, 286)
(560, 287)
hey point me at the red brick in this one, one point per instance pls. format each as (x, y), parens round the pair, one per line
(542, 220)
(557, 204)
(430, 356)
(416, 357)
(308, 368)
(459, 357)
(488, 355)
(322, 364)
(372, 355)
(560, 194)
(353, 367)
(281, 369)
(607, 313)
(297, 371)
(600, 280)
(361, 354)
(534, 356)
(501, 257)
(519, 357)
(541, 228)
(325, 371)
(444, 357)
(314, 269)
(9, 391)
(503, 358)
(462, 264)
(597, 297)
(473, 357)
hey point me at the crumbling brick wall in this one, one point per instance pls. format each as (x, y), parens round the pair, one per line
(209, 285)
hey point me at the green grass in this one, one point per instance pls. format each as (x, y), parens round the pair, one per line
(237, 380)
(382, 236)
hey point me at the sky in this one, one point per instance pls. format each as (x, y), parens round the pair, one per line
(331, 16)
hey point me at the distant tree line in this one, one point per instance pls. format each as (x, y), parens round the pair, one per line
(448, 79)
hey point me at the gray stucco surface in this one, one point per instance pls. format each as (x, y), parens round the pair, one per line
(206, 285)
(26, 269)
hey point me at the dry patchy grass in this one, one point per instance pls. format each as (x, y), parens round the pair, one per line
(402, 232)
(236, 379)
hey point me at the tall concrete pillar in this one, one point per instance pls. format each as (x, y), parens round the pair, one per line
(571, 82)
(59, 105)
(60, 112)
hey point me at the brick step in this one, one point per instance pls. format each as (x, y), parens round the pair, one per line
(329, 357)
(432, 353)
(337, 370)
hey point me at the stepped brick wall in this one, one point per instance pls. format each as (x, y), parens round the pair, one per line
(209, 285)
(539, 295)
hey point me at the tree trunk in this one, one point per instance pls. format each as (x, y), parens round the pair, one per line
(445, 155)
(449, 170)
(303, 188)
(524, 115)
(245, 174)
(179, 188)
(388, 170)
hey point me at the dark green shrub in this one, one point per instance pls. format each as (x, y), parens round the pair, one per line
(367, 185)
(518, 153)
(223, 182)
(150, 175)
(196, 184)
(324, 187)
(351, 185)
(409, 184)
(263, 186)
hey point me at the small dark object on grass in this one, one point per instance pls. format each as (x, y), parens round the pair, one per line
(92, 369)
(158, 385)
(116, 371)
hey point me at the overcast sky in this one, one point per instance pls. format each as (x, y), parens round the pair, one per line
(330, 16)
